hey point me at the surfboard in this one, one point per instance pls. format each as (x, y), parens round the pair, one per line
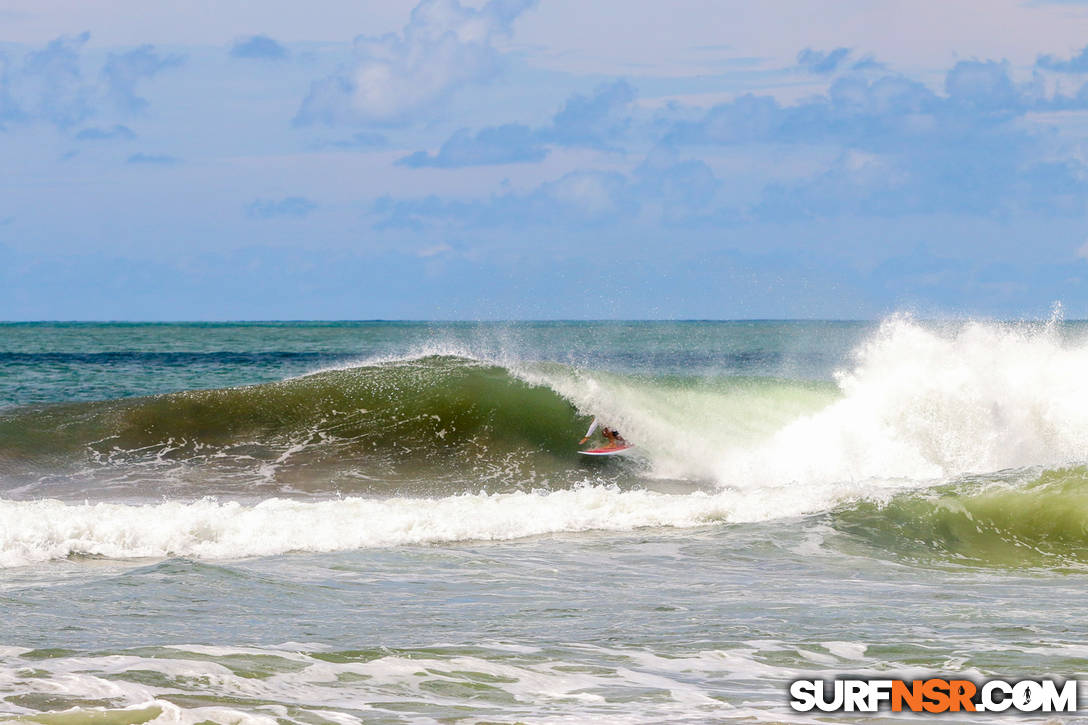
(613, 451)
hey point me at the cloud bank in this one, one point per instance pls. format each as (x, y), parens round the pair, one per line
(394, 77)
(903, 149)
(598, 120)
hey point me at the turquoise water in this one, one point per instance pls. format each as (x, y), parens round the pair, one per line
(388, 522)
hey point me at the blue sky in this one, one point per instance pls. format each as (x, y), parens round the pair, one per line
(536, 159)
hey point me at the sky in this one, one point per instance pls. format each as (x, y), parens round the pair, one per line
(542, 159)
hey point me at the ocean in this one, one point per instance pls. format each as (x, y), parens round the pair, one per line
(380, 522)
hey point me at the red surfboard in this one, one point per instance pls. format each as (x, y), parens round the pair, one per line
(609, 451)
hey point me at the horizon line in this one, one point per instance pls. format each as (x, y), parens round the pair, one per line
(406, 320)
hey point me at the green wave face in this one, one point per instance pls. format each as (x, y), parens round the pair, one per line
(1023, 521)
(429, 426)
(437, 418)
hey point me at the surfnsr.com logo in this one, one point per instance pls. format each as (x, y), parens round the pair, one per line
(934, 695)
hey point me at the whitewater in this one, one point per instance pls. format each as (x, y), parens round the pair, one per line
(347, 500)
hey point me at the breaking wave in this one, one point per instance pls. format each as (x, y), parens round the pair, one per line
(964, 440)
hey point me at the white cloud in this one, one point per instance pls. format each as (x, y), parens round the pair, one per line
(444, 46)
(1082, 251)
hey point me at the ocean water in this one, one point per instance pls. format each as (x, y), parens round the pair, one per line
(390, 523)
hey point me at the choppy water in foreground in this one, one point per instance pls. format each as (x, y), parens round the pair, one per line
(353, 522)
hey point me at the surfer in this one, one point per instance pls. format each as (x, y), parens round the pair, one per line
(615, 440)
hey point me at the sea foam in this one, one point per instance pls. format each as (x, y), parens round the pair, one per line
(918, 402)
(33, 531)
